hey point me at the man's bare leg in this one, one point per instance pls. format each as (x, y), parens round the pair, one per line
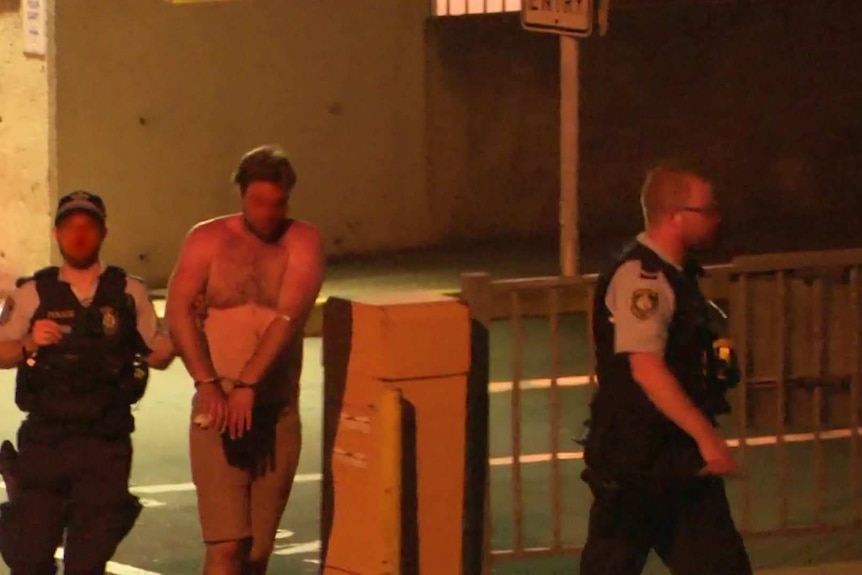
(226, 557)
(257, 567)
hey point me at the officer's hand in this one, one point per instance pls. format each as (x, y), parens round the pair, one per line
(45, 332)
(210, 400)
(240, 404)
(716, 454)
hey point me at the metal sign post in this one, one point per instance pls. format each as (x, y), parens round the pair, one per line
(569, 100)
(571, 20)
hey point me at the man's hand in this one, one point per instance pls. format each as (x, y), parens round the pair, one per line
(240, 403)
(715, 452)
(210, 400)
(45, 332)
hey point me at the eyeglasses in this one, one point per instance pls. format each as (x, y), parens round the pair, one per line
(707, 210)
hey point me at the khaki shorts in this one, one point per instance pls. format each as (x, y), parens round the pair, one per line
(232, 504)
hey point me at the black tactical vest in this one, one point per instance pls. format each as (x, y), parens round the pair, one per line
(87, 382)
(628, 435)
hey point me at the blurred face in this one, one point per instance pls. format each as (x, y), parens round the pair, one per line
(699, 218)
(264, 207)
(79, 237)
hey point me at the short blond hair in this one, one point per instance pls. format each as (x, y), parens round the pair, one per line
(666, 188)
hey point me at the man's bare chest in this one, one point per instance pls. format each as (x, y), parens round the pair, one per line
(246, 272)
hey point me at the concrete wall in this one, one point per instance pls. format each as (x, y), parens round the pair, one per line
(768, 95)
(409, 132)
(493, 127)
(25, 151)
(157, 102)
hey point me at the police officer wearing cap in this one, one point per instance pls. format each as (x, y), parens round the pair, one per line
(83, 337)
(654, 460)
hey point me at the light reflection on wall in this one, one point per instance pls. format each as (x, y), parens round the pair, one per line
(462, 7)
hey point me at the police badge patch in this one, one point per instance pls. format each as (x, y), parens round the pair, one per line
(109, 321)
(644, 303)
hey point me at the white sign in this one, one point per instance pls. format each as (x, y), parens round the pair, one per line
(34, 17)
(565, 17)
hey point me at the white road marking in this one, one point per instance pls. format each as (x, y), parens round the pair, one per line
(542, 383)
(113, 568)
(528, 384)
(294, 548)
(758, 441)
(299, 548)
(180, 487)
(151, 502)
(168, 488)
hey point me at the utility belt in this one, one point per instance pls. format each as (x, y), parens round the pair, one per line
(631, 446)
(47, 386)
(41, 429)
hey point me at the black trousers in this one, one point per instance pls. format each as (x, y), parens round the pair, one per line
(689, 525)
(77, 485)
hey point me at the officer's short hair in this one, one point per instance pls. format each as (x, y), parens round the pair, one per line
(265, 164)
(666, 187)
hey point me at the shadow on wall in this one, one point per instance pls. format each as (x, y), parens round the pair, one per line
(766, 96)
(492, 127)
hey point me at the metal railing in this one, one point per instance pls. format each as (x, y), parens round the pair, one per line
(795, 321)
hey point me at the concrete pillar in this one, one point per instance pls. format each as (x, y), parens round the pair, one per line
(422, 345)
(27, 144)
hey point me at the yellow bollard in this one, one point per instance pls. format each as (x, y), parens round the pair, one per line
(389, 412)
(397, 495)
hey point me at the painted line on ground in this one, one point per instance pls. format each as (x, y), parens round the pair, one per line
(180, 487)
(113, 568)
(757, 441)
(299, 548)
(541, 383)
(294, 548)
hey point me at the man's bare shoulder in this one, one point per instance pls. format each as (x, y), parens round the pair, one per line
(211, 232)
(302, 235)
(215, 226)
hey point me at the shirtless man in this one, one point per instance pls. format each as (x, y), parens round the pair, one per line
(256, 275)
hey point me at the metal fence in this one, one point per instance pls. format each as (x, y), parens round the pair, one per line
(795, 322)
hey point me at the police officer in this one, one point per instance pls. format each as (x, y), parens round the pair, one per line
(654, 460)
(83, 336)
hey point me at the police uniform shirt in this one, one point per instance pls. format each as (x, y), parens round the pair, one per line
(641, 305)
(25, 302)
